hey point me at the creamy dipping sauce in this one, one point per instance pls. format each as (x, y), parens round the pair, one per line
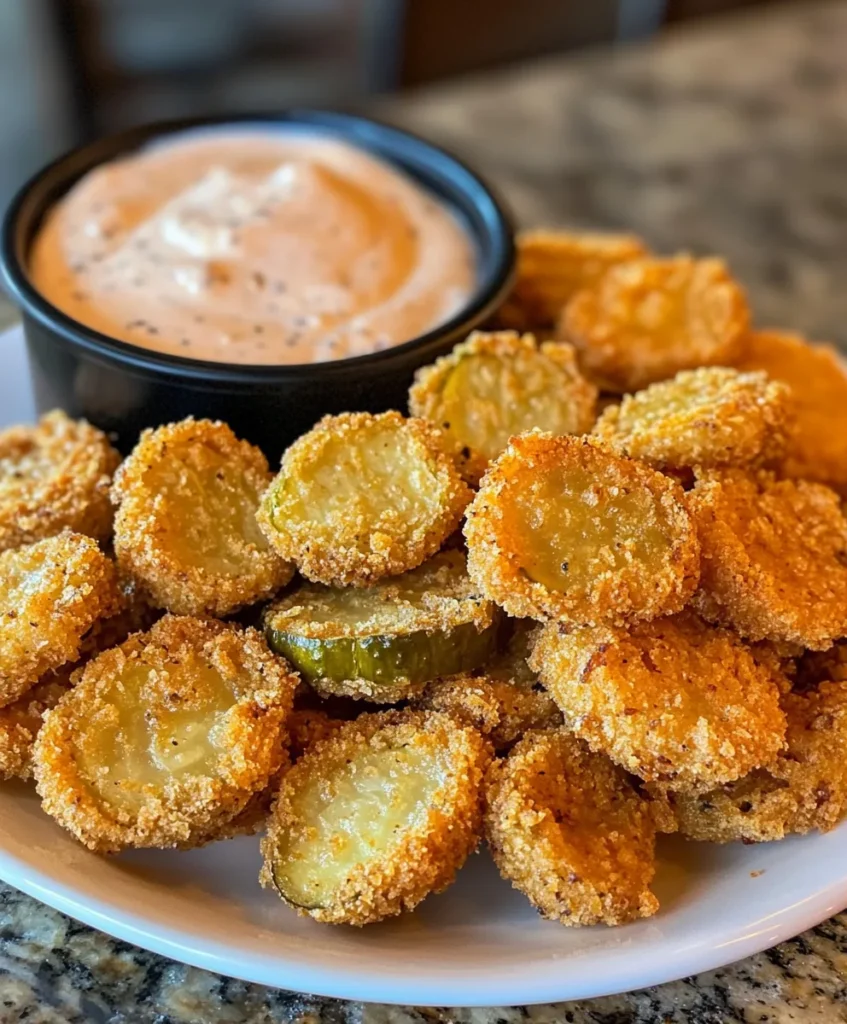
(254, 247)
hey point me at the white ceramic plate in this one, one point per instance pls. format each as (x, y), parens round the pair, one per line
(477, 944)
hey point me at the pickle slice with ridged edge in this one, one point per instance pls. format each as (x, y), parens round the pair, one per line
(385, 642)
(377, 816)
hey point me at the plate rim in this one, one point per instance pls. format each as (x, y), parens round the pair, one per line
(632, 971)
(543, 986)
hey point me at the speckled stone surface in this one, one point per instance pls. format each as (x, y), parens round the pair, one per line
(730, 137)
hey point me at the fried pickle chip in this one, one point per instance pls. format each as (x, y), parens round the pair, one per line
(185, 527)
(383, 643)
(52, 593)
(803, 788)
(774, 563)
(360, 497)
(495, 385)
(672, 700)
(371, 820)
(818, 382)
(553, 265)
(713, 416)
(562, 528)
(54, 476)
(567, 828)
(165, 740)
(21, 720)
(646, 320)
(503, 701)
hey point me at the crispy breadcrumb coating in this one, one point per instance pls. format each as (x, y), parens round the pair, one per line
(165, 740)
(713, 416)
(567, 828)
(553, 265)
(563, 528)
(54, 476)
(818, 381)
(670, 700)
(308, 726)
(363, 496)
(646, 320)
(774, 557)
(803, 788)
(495, 385)
(504, 700)
(185, 528)
(376, 817)
(21, 720)
(52, 593)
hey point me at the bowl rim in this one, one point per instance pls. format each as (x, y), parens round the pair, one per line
(410, 153)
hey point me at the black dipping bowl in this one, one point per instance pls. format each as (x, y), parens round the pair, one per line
(122, 389)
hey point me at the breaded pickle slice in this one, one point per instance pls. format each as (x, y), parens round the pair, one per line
(567, 828)
(803, 788)
(495, 385)
(673, 700)
(371, 820)
(816, 374)
(553, 265)
(52, 593)
(774, 556)
(165, 740)
(384, 642)
(21, 720)
(186, 528)
(563, 528)
(503, 700)
(646, 320)
(54, 476)
(710, 417)
(360, 497)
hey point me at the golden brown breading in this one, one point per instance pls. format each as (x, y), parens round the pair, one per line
(646, 320)
(563, 528)
(803, 788)
(708, 417)
(553, 265)
(165, 740)
(818, 382)
(670, 700)
(52, 593)
(376, 817)
(567, 828)
(774, 557)
(21, 720)
(308, 726)
(361, 496)
(54, 476)
(503, 700)
(495, 385)
(185, 528)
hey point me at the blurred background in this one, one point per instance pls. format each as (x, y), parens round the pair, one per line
(73, 69)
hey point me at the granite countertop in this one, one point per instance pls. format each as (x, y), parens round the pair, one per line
(728, 137)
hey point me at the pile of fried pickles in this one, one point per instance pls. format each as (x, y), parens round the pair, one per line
(592, 588)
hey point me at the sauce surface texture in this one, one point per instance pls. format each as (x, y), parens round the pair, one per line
(254, 247)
